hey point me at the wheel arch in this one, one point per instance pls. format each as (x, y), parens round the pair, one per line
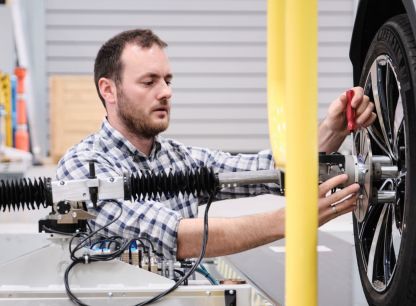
(371, 15)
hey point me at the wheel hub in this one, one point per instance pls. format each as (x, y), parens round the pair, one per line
(362, 156)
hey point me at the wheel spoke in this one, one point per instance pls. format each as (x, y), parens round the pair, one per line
(364, 228)
(389, 258)
(395, 234)
(373, 254)
(391, 98)
(398, 124)
(362, 143)
(378, 138)
(394, 107)
(378, 84)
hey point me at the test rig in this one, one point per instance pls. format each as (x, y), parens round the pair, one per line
(38, 273)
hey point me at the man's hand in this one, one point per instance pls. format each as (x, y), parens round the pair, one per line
(338, 203)
(336, 119)
(334, 128)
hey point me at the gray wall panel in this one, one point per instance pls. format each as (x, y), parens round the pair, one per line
(218, 56)
(8, 56)
(168, 6)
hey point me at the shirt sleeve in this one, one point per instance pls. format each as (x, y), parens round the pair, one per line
(225, 162)
(144, 218)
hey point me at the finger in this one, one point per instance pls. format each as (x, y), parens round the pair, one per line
(349, 202)
(344, 207)
(331, 184)
(338, 106)
(362, 105)
(343, 193)
(331, 212)
(358, 96)
(370, 120)
(366, 114)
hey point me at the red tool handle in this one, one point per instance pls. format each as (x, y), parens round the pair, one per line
(350, 111)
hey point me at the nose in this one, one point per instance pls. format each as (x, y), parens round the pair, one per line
(165, 92)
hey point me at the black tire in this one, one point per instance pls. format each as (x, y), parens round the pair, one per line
(385, 241)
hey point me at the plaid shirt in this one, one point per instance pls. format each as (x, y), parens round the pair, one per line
(156, 220)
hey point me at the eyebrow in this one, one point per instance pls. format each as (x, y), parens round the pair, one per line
(155, 75)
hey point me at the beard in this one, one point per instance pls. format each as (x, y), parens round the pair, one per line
(136, 120)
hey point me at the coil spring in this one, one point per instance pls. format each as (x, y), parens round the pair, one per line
(18, 194)
(198, 182)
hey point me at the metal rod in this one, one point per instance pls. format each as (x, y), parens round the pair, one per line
(389, 172)
(382, 160)
(233, 179)
(386, 196)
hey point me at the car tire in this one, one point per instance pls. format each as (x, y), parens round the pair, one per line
(385, 241)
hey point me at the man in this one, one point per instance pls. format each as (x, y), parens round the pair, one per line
(133, 76)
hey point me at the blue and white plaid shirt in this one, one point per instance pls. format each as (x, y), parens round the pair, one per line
(156, 220)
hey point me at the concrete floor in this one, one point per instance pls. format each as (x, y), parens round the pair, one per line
(339, 282)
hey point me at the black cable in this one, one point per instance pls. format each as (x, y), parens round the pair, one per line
(88, 225)
(117, 253)
(81, 244)
(149, 241)
(181, 273)
(53, 231)
(145, 248)
(87, 258)
(196, 264)
(71, 296)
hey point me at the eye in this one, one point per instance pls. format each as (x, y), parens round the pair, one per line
(168, 82)
(148, 83)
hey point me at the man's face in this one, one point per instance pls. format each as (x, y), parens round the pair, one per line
(143, 97)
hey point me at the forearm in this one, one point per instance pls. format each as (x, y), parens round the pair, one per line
(229, 235)
(329, 141)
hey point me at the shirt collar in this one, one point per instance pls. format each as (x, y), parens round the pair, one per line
(119, 141)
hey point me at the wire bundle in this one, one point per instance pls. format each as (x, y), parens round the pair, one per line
(85, 241)
(124, 244)
(18, 194)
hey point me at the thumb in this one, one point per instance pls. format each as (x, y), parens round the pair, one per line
(338, 106)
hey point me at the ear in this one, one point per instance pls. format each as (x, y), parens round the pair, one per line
(108, 90)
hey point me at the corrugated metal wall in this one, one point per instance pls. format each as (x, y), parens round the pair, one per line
(218, 55)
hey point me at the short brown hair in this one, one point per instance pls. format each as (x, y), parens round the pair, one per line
(108, 61)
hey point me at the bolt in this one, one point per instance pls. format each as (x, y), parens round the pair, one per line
(110, 294)
(62, 183)
(74, 214)
(112, 179)
(231, 292)
(208, 293)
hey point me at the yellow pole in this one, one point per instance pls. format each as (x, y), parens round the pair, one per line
(2, 112)
(8, 110)
(302, 153)
(275, 80)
